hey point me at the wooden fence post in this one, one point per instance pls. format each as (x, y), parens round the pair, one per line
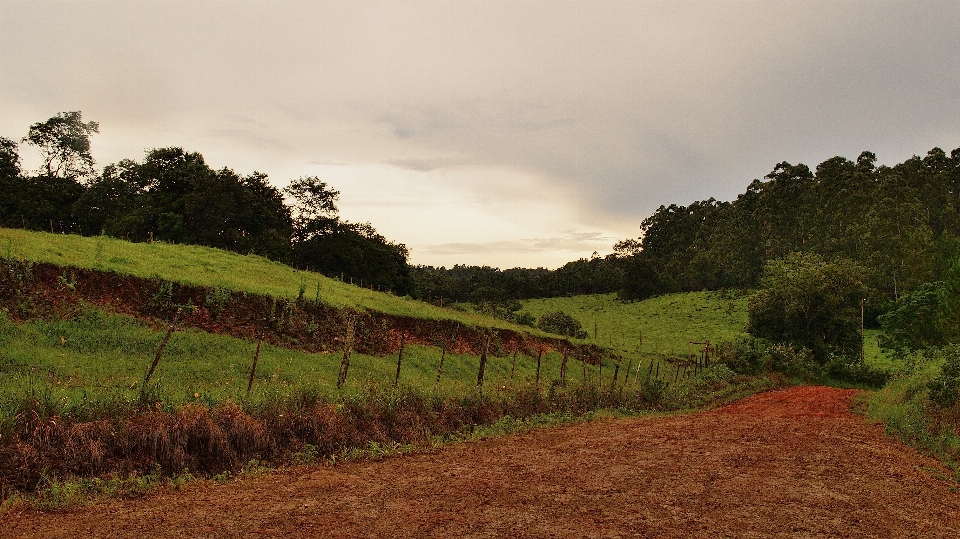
(403, 341)
(347, 344)
(483, 359)
(256, 358)
(156, 359)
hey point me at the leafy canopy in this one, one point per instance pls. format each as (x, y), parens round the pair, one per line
(810, 303)
(64, 144)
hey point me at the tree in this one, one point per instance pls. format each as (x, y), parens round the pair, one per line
(11, 184)
(9, 159)
(314, 208)
(810, 303)
(358, 253)
(64, 144)
(915, 321)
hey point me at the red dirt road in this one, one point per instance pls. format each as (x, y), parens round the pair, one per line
(789, 463)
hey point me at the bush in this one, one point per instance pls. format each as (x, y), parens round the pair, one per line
(745, 355)
(810, 304)
(716, 375)
(945, 388)
(524, 319)
(562, 323)
(794, 363)
(856, 372)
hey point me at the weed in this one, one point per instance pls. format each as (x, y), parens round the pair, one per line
(216, 300)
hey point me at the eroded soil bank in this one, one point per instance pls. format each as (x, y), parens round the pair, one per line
(788, 463)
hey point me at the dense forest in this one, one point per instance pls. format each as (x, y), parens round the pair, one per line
(901, 224)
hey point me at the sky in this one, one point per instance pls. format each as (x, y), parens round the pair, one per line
(502, 133)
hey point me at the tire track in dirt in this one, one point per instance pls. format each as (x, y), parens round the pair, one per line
(787, 463)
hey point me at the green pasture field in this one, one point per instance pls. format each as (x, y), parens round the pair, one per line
(102, 358)
(667, 324)
(205, 266)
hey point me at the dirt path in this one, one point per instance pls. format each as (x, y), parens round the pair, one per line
(791, 463)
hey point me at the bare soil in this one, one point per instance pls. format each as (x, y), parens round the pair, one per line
(790, 463)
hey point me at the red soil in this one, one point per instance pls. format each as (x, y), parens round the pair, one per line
(791, 463)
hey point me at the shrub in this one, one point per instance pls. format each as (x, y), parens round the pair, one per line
(716, 375)
(945, 388)
(562, 323)
(745, 355)
(856, 371)
(792, 362)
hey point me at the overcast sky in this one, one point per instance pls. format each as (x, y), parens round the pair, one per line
(503, 133)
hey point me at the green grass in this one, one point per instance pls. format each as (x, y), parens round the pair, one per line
(667, 324)
(904, 408)
(215, 268)
(98, 358)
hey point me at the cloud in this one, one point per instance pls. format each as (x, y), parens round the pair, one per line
(485, 124)
(571, 242)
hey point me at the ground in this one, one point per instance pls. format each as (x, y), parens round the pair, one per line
(788, 463)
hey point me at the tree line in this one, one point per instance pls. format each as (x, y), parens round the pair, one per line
(172, 195)
(901, 224)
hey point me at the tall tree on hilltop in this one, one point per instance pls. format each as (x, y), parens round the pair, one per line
(64, 144)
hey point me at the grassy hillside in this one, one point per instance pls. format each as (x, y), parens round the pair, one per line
(666, 323)
(102, 358)
(208, 267)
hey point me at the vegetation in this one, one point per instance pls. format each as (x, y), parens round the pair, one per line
(561, 323)
(215, 268)
(828, 252)
(73, 404)
(921, 403)
(811, 304)
(174, 196)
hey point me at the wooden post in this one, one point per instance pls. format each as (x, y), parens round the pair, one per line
(347, 344)
(513, 367)
(444, 344)
(483, 360)
(256, 357)
(156, 358)
(403, 341)
(443, 355)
